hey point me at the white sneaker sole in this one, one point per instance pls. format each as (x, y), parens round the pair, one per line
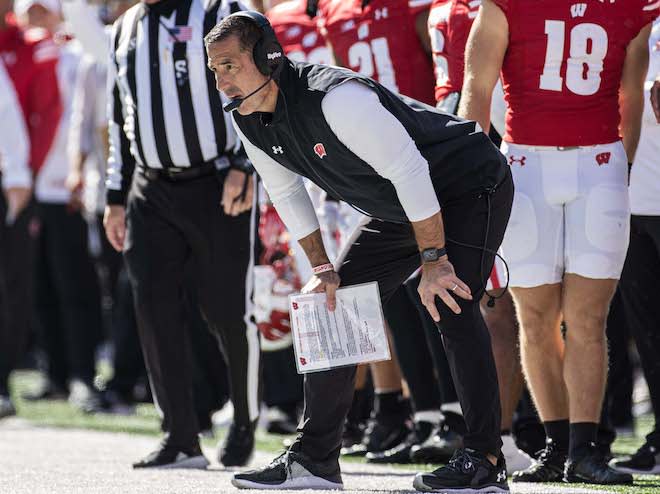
(419, 484)
(313, 483)
(196, 462)
(654, 471)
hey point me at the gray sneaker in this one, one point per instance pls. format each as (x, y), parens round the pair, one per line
(292, 470)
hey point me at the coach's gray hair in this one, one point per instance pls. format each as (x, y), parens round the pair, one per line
(247, 32)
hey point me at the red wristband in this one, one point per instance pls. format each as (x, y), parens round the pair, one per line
(323, 268)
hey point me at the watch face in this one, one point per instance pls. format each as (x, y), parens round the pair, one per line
(430, 255)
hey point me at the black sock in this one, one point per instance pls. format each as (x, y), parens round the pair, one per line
(582, 438)
(557, 432)
(388, 403)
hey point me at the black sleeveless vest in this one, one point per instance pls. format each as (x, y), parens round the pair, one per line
(461, 160)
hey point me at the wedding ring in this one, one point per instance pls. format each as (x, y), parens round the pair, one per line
(455, 287)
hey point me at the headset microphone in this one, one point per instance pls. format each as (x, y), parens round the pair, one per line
(236, 103)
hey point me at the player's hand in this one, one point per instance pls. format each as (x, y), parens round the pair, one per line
(114, 221)
(327, 282)
(237, 193)
(74, 183)
(17, 200)
(438, 279)
(655, 99)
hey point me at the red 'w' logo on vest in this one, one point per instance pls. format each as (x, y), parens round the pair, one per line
(319, 149)
(603, 158)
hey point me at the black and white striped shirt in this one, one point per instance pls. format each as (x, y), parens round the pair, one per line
(163, 108)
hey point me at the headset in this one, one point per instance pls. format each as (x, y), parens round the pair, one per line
(268, 53)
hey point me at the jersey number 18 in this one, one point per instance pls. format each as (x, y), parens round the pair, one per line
(587, 50)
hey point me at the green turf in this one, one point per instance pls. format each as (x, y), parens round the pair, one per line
(145, 422)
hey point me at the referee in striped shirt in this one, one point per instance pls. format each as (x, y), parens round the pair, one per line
(180, 193)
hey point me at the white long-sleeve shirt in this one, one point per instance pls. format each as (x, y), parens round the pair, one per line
(357, 117)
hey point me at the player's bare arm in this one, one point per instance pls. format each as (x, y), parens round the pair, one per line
(422, 29)
(631, 93)
(328, 281)
(484, 53)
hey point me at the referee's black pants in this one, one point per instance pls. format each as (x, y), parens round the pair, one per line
(639, 286)
(168, 225)
(388, 253)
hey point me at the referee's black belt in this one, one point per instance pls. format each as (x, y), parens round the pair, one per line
(177, 174)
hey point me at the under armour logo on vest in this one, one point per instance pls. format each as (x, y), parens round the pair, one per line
(278, 150)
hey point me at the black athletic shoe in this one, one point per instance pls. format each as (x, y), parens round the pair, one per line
(292, 470)
(548, 467)
(7, 408)
(280, 421)
(646, 460)
(593, 469)
(238, 446)
(167, 456)
(401, 452)
(439, 447)
(351, 440)
(467, 471)
(383, 432)
(386, 431)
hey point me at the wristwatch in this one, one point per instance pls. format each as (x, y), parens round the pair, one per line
(433, 254)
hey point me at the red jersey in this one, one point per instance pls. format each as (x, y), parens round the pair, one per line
(298, 34)
(379, 40)
(31, 61)
(562, 69)
(449, 27)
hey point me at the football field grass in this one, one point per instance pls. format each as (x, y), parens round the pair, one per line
(145, 421)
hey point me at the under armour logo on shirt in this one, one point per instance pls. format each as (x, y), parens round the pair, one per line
(278, 150)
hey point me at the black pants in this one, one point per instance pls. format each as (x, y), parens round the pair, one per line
(412, 350)
(169, 224)
(68, 300)
(638, 286)
(388, 253)
(434, 344)
(16, 288)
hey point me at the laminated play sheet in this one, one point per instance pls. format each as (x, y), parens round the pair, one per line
(354, 333)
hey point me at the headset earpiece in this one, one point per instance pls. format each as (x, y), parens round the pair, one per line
(267, 53)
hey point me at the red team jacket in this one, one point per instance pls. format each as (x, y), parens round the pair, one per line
(30, 58)
(562, 69)
(379, 40)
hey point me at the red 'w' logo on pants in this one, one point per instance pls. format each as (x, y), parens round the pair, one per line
(603, 158)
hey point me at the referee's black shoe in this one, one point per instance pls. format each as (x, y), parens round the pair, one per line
(592, 468)
(168, 456)
(468, 471)
(238, 446)
(292, 470)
